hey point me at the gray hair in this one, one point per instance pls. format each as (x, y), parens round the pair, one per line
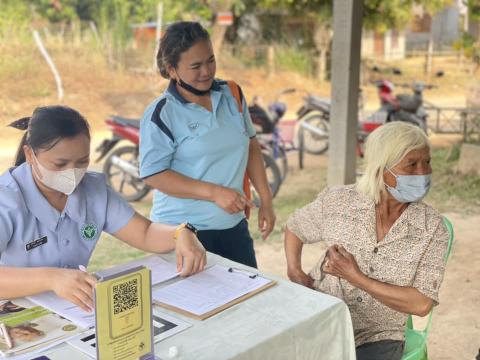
(386, 147)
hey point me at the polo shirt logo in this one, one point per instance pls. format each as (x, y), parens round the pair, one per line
(89, 231)
(193, 126)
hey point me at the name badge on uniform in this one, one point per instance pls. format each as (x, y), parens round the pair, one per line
(35, 243)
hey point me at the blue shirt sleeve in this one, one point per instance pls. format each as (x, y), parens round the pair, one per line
(119, 212)
(156, 142)
(7, 204)
(248, 120)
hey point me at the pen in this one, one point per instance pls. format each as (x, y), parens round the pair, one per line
(244, 272)
(6, 336)
(84, 269)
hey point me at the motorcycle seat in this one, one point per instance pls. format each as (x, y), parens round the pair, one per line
(408, 102)
(318, 102)
(125, 121)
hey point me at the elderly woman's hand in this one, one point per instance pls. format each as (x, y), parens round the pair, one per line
(299, 277)
(342, 264)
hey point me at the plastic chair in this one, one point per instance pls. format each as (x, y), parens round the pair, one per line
(416, 340)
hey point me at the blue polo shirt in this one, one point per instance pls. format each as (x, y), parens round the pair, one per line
(209, 146)
(35, 234)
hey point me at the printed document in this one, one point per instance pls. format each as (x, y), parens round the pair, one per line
(209, 290)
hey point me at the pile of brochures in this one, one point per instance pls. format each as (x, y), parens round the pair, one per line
(26, 327)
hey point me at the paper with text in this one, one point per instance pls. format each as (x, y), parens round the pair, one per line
(161, 269)
(62, 307)
(208, 290)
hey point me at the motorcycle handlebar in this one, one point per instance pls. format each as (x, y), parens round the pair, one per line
(415, 84)
(283, 92)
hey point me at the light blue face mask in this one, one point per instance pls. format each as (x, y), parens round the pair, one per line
(410, 188)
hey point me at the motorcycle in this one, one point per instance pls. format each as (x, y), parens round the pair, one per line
(403, 107)
(121, 166)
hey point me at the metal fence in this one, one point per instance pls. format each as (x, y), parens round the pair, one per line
(453, 120)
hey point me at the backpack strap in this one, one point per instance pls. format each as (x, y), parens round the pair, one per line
(236, 92)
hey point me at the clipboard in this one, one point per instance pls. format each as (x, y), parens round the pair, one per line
(224, 306)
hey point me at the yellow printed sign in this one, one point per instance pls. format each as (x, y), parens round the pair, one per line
(124, 318)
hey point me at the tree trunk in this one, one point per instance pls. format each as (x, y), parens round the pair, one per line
(218, 31)
(321, 39)
(218, 35)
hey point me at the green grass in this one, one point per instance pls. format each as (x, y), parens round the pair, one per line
(293, 59)
(299, 188)
(450, 193)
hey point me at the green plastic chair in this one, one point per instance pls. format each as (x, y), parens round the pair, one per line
(416, 340)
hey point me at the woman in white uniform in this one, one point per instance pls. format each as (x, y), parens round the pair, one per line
(52, 212)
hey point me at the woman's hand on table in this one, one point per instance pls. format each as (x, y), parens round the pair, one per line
(75, 286)
(341, 263)
(230, 200)
(191, 255)
(300, 277)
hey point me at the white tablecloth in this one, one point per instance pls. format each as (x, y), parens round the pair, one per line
(287, 321)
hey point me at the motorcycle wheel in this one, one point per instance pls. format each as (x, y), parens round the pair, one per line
(273, 177)
(279, 153)
(313, 143)
(131, 188)
(301, 148)
(282, 162)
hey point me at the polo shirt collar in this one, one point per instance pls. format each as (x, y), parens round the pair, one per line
(75, 207)
(172, 89)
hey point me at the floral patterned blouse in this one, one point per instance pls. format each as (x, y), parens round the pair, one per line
(411, 254)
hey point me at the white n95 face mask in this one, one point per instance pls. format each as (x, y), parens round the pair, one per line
(64, 181)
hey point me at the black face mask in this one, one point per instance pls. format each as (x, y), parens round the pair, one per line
(193, 90)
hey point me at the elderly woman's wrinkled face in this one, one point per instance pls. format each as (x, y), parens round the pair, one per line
(415, 162)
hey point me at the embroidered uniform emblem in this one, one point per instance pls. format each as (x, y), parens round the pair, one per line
(89, 231)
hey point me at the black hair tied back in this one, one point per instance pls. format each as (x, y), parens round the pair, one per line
(21, 124)
(47, 126)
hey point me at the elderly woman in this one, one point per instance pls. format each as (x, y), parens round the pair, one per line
(386, 247)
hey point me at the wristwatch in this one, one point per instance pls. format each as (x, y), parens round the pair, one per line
(182, 226)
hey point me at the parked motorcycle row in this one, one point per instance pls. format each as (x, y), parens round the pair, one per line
(307, 132)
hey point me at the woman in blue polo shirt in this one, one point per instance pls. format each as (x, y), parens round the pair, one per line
(52, 213)
(195, 146)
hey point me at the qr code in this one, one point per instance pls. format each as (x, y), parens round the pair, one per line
(125, 296)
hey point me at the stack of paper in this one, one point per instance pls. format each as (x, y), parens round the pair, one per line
(162, 270)
(209, 290)
(29, 329)
(64, 308)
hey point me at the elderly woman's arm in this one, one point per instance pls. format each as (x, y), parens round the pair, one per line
(405, 299)
(293, 252)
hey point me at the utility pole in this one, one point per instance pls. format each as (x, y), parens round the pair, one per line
(347, 36)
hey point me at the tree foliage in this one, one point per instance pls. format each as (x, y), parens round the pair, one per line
(379, 14)
(474, 9)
